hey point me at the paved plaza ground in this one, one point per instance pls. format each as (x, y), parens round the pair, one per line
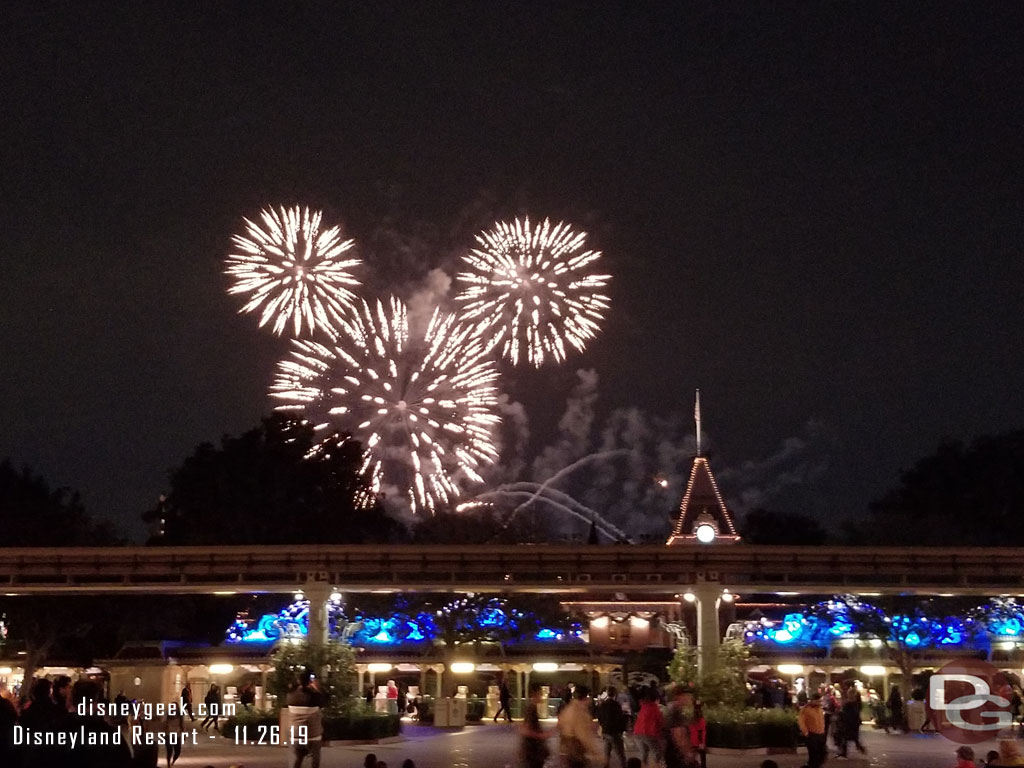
(494, 746)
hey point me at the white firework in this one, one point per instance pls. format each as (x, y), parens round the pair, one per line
(424, 404)
(296, 274)
(531, 292)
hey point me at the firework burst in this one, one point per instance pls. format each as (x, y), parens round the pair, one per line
(296, 274)
(530, 291)
(423, 404)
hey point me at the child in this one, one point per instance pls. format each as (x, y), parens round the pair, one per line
(699, 734)
(965, 757)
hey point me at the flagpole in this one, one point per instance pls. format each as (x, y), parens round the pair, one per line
(696, 417)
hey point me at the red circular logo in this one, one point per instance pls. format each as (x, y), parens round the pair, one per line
(968, 701)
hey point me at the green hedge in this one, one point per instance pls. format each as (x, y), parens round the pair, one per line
(425, 708)
(361, 727)
(475, 709)
(749, 728)
(251, 718)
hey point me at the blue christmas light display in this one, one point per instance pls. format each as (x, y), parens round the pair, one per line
(290, 622)
(821, 625)
(1005, 618)
(495, 618)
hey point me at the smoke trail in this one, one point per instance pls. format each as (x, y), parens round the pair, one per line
(574, 428)
(799, 461)
(603, 526)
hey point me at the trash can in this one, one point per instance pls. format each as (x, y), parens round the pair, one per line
(915, 715)
(457, 714)
(442, 712)
(450, 713)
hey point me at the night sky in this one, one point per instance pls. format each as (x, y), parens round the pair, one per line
(811, 211)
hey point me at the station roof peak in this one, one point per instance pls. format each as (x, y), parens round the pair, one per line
(702, 503)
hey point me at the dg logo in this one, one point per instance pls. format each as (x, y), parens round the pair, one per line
(970, 701)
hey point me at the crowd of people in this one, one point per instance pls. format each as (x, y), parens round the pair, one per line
(834, 711)
(57, 724)
(52, 713)
(591, 732)
(667, 728)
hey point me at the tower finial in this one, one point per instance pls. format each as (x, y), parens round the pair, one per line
(696, 417)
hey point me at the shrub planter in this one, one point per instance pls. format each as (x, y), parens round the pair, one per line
(475, 710)
(759, 731)
(362, 728)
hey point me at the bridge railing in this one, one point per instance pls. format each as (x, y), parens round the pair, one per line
(564, 568)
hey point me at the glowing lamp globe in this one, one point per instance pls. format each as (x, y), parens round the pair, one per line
(705, 533)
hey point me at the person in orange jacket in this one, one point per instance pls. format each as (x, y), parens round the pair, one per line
(812, 725)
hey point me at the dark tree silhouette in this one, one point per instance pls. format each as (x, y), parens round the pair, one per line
(959, 496)
(268, 486)
(764, 526)
(32, 514)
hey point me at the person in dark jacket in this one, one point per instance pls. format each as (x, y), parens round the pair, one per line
(39, 715)
(8, 719)
(212, 701)
(110, 755)
(678, 751)
(849, 717)
(186, 700)
(613, 723)
(897, 718)
(504, 701)
(247, 696)
(304, 704)
(533, 748)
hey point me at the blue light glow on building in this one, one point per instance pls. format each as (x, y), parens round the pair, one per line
(494, 619)
(823, 624)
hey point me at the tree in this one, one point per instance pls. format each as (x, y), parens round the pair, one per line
(32, 514)
(764, 526)
(904, 625)
(725, 683)
(81, 628)
(333, 662)
(272, 485)
(454, 621)
(959, 496)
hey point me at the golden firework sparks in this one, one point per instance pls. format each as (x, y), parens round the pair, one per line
(531, 292)
(424, 404)
(296, 274)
